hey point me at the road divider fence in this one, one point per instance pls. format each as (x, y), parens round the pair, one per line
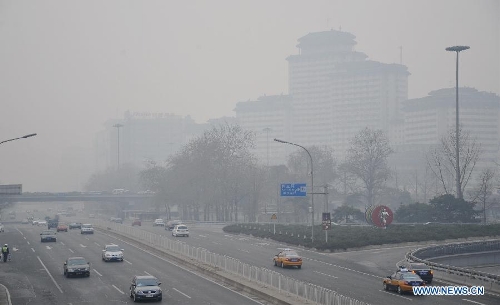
(259, 275)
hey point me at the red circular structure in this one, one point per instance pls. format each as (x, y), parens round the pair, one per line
(381, 216)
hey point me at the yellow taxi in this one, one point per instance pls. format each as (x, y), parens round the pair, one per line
(287, 258)
(402, 281)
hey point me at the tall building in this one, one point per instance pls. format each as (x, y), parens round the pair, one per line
(337, 92)
(334, 92)
(268, 117)
(143, 137)
(429, 118)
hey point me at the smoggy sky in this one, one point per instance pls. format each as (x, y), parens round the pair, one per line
(68, 66)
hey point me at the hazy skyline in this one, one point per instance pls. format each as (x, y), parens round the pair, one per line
(68, 66)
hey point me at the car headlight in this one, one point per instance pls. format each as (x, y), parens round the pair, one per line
(107, 255)
(140, 292)
(71, 270)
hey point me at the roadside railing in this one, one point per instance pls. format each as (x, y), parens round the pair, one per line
(284, 284)
(424, 254)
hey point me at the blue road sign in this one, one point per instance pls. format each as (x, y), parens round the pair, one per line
(293, 189)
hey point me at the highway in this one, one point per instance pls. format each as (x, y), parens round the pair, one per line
(357, 274)
(35, 274)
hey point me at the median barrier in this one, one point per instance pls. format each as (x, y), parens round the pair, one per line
(273, 286)
(459, 275)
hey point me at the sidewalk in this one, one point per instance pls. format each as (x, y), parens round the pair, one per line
(4, 295)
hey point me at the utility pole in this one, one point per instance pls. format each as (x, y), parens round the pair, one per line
(118, 126)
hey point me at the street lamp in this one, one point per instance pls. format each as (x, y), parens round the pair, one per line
(23, 137)
(117, 126)
(312, 183)
(457, 49)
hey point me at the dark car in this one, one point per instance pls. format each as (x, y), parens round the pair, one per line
(402, 281)
(48, 235)
(76, 266)
(171, 224)
(145, 287)
(420, 269)
(75, 225)
(116, 219)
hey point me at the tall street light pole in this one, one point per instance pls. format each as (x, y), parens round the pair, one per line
(23, 137)
(312, 183)
(457, 49)
(117, 126)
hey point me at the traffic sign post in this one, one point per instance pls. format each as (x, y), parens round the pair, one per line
(293, 190)
(327, 224)
(274, 217)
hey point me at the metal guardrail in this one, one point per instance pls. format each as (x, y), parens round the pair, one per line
(284, 284)
(423, 254)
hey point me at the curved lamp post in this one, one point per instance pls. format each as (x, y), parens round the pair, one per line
(23, 137)
(457, 49)
(118, 126)
(312, 183)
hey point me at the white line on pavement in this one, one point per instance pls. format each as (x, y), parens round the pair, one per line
(397, 295)
(83, 246)
(19, 231)
(118, 289)
(127, 261)
(97, 244)
(32, 249)
(61, 243)
(147, 273)
(47, 270)
(182, 293)
(473, 301)
(71, 251)
(97, 272)
(326, 274)
(28, 243)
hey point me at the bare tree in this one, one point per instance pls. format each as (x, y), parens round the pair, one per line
(442, 160)
(482, 192)
(367, 161)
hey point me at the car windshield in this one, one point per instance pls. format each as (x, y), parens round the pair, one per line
(47, 233)
(113, 248)
(147, 282)
(86, 226)
(419, 266)
(291, 253)
(77, 261)
(181, 228)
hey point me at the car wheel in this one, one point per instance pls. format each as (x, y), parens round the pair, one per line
(275, 263)
(282, 265)
(299, 267)
(399, 290)
(385, 286)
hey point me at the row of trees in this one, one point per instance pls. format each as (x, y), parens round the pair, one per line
(216, 177)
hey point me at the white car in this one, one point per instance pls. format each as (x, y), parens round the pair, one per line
(158, 222)
(180, 230)
(87, 229)
(42, 223)
(1, 228)
(112, 253)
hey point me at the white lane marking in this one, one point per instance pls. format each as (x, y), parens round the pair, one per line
(97, 272)
(47, 270)
(127, 261)
(61, 243)
(97, 244)
(243, 250)
(20, 231)
(83, 246)
(8, 294)
(473, 301)
(48, 247)
(118, 289)
(185, 269)
(32, 249)
(182, 293)
(341, 267)
(87, 238)
(147, 273)
(28, 243)
(326, 274)
(71, 251)
(216, 243)
(397, 295)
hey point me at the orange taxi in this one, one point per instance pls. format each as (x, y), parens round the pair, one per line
(402, 281)
(288, 258)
